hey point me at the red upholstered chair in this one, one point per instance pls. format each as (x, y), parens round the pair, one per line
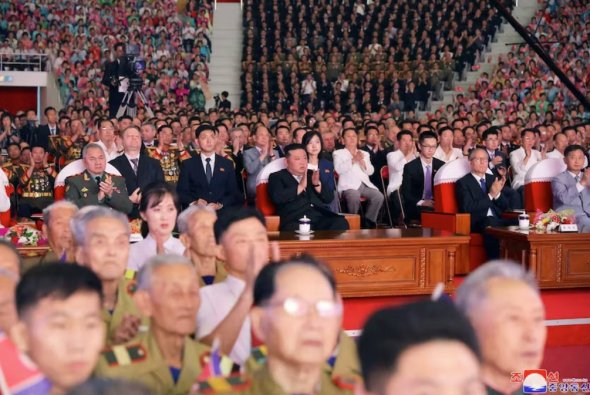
(76, 167)
(537, 184)
(263, 202)
(6, 190)
(447, 217)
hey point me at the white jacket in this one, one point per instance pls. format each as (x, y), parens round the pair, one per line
(519, 169)
(351, 176)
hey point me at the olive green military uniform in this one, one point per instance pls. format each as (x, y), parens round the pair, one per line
(345, 363)
(220, 274)
(262, 383)
(37, 191)
(141, 360)
(31, 261)
(125, 305)
(72, 150)
(82, 190)
(14, 172)
(170, 161)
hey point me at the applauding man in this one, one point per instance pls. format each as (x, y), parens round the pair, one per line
(258, 157)
(483, 196)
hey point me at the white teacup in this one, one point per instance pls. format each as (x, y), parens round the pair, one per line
(524, 221)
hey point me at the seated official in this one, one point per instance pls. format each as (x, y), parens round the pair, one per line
(503, 303)
(498, 163)
(523, 158)
(297, 192)
(571, 188)
(396, 161)
(138, 170)
(377, 154)
(418, 179)
(482, 196)
(195, 225)
(35, 183)
(170, 157)
(312, 141)
(60, 326)
(102, 244)
(94, 186)
(158, 209)
(56, 228)
(223, 313)
(354, 168)
(257, 157)
(445, 150)
(423, 347)
(165, 358)
(297, 313)
(208, 179)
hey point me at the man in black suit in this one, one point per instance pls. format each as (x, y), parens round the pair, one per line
(208, 179)
(297, 192)
(498, 162)
(418, 179)
(49, 129)
(377, 154)
(139, 170)
(113, 74)
(482, 195)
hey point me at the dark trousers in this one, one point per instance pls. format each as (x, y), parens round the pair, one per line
(490, 244)
(115, 99)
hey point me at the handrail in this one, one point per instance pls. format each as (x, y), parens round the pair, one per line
(22, 61)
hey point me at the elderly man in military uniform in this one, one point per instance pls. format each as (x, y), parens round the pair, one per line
(72, 145)
(195, 225)
(168, 155)
(101, 238)
(297, 313)
(165, 358)
(36, 184)
(13, 167)
(95, 186)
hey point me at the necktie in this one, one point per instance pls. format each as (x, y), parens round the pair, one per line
(208, 171)
(97, 179)
(578, 177)
(428, 183)
(135, 163)
(482, 183)
(52, 130)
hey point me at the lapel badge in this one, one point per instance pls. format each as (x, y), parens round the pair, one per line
(84, 189)
(221, 169)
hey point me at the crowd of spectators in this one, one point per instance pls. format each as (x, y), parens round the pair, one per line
(78, 38)
(522, 88)
(355, 55)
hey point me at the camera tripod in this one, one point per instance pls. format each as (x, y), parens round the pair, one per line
(129, 104)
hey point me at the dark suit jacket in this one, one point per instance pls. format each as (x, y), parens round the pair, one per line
(42, 136)
(282, 189)
(412, 187)
(192, 183)
(505, 161)
(148, 172)
(378, 160)
(472, 199)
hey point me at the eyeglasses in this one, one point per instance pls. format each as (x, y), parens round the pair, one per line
(297, 307)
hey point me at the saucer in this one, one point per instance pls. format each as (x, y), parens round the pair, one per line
(304, 233)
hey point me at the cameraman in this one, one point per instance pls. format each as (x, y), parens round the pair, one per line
(115, 78)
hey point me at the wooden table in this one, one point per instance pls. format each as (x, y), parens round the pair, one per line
(381, 262)
(559, 260)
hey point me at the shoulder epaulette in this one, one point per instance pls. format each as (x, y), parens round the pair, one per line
(218, 365)
(130, 274)
(215, 385)
(344, 382)
(125, 355)
(259, 354)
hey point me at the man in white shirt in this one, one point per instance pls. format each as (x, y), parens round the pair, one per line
(445, 150)
(225, 306)
(570, 188)
(559, 144)
(106, 139)
(354, 168)
(523, 158)
(396, 161)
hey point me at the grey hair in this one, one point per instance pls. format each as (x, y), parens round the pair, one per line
(57, 205)
(474, 289)
(146, 273)
(184, 219)
(474, 151)
(90, 146)
(80, 221)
